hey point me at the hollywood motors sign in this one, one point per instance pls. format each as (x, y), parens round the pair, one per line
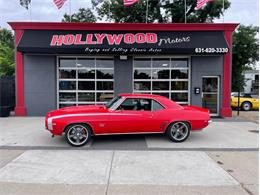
(102, 38)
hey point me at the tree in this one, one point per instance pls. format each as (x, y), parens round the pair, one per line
(115, 11)
(245, 54)
(6, 38)
(83, 15)
(7, 64)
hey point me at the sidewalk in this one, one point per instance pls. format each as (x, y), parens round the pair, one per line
(221, 159)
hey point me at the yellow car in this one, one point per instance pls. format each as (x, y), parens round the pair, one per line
(247, 101)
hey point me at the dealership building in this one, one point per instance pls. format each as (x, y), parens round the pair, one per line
(67, 64)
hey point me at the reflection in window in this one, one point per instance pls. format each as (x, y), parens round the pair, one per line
(142, 63)
(161, 85)
(161, 74)
(105, 85)
(86, 63)
(68, 63)
(67, 85)
(67, 97)
(168, 77)
(179, 97)
(86, 85)
(179, 63)
(179, 74)
(104, 97)
(86, 74)
(86, 97)
(142, 74)
(161, 63)
(104, 63)
(105, 74)
(84, 80)
(67, 74)
(179, 85)
(66, 105)
(162, 94)
(142, 85)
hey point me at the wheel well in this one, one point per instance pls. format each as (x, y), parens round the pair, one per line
(246, 102)
(187, 122)
(83, 123)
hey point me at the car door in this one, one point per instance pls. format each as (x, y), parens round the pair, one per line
(132, 116)
(255, 101)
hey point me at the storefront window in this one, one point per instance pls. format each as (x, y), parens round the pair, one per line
(84, 81)
(168, 77)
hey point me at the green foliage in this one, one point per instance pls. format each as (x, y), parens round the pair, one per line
(245, 53)
(115, 11)
(7, 64)
(83, 15)
(6, 38)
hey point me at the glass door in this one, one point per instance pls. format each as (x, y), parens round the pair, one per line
(210, 94)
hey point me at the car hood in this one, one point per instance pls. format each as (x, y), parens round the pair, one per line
(78, 109)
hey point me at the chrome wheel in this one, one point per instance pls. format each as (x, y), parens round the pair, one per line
(77, 135)
(178, 131)
(246, 106)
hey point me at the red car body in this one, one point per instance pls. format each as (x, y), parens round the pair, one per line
(103, 120)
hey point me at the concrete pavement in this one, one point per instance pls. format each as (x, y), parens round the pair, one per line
(30, 132)
(222, 159)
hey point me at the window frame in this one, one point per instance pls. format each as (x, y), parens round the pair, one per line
(151, 68)
(77, 80)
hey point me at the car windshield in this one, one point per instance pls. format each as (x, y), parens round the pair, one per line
(112, 102)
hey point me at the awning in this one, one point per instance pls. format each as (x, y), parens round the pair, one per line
(123, 43)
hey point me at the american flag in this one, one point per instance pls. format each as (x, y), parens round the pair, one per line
(201, 3)
(130, 2)
(59, 3)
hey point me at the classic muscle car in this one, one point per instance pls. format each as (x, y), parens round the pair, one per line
(127, 114)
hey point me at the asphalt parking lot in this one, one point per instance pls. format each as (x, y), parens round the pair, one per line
(221, 159)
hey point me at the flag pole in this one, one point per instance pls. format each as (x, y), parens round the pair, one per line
(109, 10)
(223, 10)
(70, 9)
(30, 10)
(146, 17)
(185, 10)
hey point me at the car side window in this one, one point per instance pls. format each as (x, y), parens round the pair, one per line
(156, 106)
(136, 104)
(129, 104)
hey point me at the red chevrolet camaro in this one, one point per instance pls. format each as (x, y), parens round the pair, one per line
(127, 114)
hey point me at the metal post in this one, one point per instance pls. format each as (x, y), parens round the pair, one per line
(30, 10)
(109, 10)
(70, 9)
(146, 18)
(223, 10)
(238, 102)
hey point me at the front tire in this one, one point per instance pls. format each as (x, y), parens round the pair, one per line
(78, 134)
(178, 131)
(246, 106)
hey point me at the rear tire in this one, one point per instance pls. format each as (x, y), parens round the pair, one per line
(178, 131)
(246, 106)
(78, 134)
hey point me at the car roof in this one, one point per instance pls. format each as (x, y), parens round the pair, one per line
(139, 95)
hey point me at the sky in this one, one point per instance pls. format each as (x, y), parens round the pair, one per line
(242, 11)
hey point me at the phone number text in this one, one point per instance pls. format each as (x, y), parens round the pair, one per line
(211, 50)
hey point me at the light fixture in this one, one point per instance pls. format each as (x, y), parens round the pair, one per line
(123, 57)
